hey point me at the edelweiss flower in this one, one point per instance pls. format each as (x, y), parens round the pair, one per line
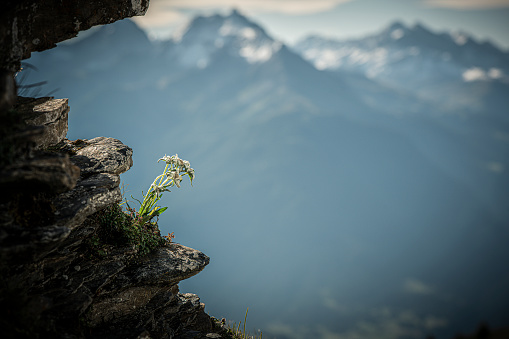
(159, 189)
(175, 176)
(173, 160)
(166, 159)
(186, 165)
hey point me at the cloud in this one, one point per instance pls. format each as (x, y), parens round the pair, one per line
(292, 7)
(467, 4)
(415, 286)
(159, 14)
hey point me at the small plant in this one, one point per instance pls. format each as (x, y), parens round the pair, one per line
(134, 228)
(172, 175)
(236, 332)
(118, 228)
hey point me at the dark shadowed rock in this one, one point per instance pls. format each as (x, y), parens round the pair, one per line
(41, 223)
(160, 312)
(48, 173)
(32, 25)
(7, 90)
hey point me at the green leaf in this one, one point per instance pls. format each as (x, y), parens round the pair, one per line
(160, 211)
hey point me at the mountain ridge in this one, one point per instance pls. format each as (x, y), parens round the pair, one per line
(315, 179)
(399, 43)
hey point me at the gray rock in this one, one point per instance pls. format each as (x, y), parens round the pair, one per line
(143, 296)
(166, 266)
(100, 160)
(57, 217)
(103, 155)
(46, 112)
(74, 206)
(169, 265)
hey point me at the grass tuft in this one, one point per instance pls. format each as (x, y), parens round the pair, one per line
(235, 332)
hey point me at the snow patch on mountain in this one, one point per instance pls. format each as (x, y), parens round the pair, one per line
(203, 37)
(459, 38)
(399, 54)
(397, 34)
(478, 74)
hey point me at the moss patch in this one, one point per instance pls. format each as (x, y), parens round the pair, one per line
(119, 228)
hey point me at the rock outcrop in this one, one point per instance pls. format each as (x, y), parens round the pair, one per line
(58, 278)
(46, 260)
(51, 114)
(33, 25)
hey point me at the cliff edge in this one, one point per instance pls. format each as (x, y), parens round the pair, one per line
(65, 270)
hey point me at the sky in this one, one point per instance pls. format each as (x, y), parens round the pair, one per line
(290, 20)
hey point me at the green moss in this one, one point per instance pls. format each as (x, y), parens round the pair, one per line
(118, 228)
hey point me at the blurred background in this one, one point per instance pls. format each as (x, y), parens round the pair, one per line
(351, 156)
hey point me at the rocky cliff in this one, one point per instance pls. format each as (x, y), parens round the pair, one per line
(67, 270)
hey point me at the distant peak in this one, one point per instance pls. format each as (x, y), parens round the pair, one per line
(397, 25)
(420, 27)
(460, 37)
(397, 30)
(235, 12)
(239, 18)
(235, 33)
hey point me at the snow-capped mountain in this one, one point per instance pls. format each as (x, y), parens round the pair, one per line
(399, 47)
(205, 36)
(416, 60)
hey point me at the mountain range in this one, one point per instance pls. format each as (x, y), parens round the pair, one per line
(446, 62)
(342, 186)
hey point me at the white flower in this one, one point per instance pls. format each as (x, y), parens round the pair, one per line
(158, 189)
(186, 165)
(175, 176)
(175, 158)
(166, 159)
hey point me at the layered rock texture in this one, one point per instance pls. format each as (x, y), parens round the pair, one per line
(58, 277)
(34, 25)
(54, 282)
